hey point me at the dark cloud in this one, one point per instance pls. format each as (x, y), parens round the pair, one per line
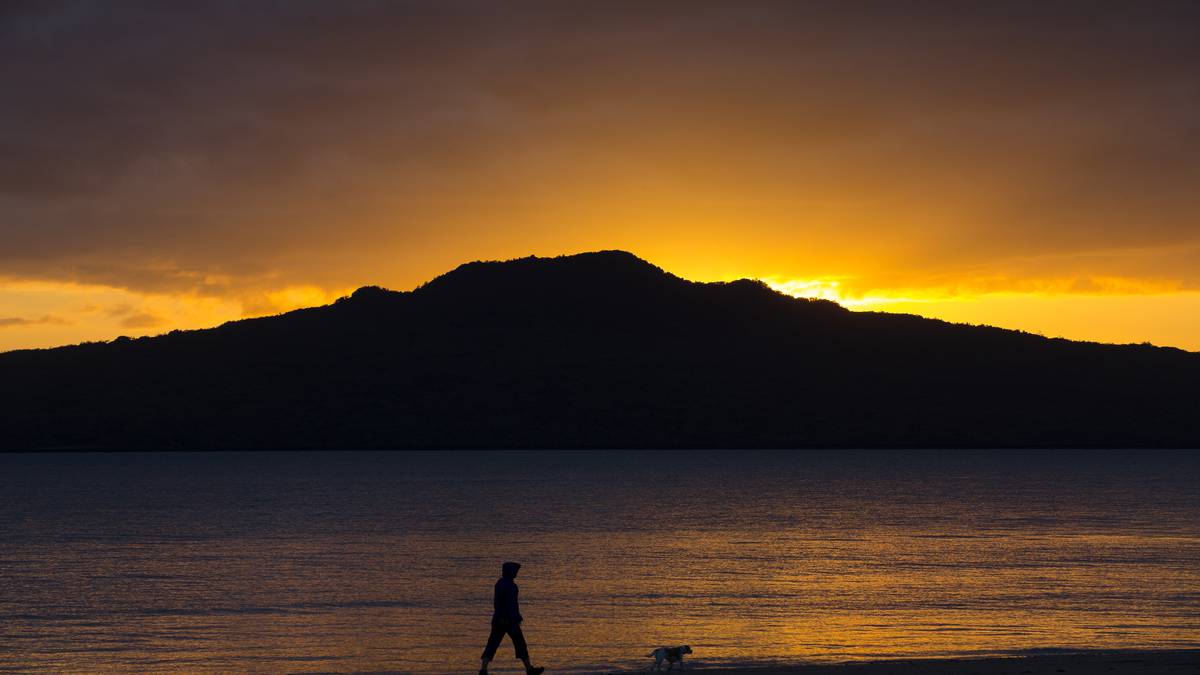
(208, 146)
(11, 321)
(142, 320)
(133, 317)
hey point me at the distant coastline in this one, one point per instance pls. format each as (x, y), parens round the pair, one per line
(596, 350)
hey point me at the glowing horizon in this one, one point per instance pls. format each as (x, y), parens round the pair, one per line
(1120, 311)
(1026, 165)
(1161, 319)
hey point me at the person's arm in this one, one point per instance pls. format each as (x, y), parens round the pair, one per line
(511, 606)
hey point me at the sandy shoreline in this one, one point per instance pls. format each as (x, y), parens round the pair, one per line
(1098, 663)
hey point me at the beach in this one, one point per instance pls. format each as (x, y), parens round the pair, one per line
(1092, 663)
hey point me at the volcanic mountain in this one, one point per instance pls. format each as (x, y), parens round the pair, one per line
(594, 350)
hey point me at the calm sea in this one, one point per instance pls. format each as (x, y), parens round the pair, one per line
(376, 562)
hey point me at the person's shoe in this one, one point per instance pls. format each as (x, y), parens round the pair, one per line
(535, 671)
(483, 671)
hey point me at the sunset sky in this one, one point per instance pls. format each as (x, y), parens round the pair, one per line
(176, 165)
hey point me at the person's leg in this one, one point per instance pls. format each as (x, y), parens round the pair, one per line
(493, 643)
(522, 649)
(518, 639)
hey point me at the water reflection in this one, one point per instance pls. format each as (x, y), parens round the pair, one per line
(378, 562)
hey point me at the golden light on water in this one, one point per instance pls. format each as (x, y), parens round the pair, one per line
(232, 562)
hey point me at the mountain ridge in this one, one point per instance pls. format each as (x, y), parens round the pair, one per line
(597, 349)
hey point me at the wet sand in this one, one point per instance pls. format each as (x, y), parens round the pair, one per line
(1097, 663)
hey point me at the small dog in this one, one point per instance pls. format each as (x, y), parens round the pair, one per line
(671, 655)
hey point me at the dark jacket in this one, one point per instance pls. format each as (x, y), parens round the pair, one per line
(507, 610)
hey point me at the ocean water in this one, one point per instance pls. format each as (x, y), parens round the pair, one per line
(378, 562)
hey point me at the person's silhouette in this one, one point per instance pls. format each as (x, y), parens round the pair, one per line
(506, 619)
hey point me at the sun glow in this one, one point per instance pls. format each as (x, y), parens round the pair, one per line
(1095, 309)
(823, 289)
(833, 288)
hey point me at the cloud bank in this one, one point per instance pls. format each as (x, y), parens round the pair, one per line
(236, 150)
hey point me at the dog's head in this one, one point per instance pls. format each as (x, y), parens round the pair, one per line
(684, 649)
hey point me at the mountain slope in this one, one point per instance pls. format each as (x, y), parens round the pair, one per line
(595, 350)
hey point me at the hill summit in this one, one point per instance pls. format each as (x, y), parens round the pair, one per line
(595, 350)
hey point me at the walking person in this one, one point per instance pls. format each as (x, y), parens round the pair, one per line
(506, 620)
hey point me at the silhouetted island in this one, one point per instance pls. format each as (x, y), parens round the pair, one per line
(598, 350)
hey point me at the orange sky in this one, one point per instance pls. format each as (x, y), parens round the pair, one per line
(1030, 165)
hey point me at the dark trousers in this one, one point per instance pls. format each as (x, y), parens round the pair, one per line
(514, 632)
